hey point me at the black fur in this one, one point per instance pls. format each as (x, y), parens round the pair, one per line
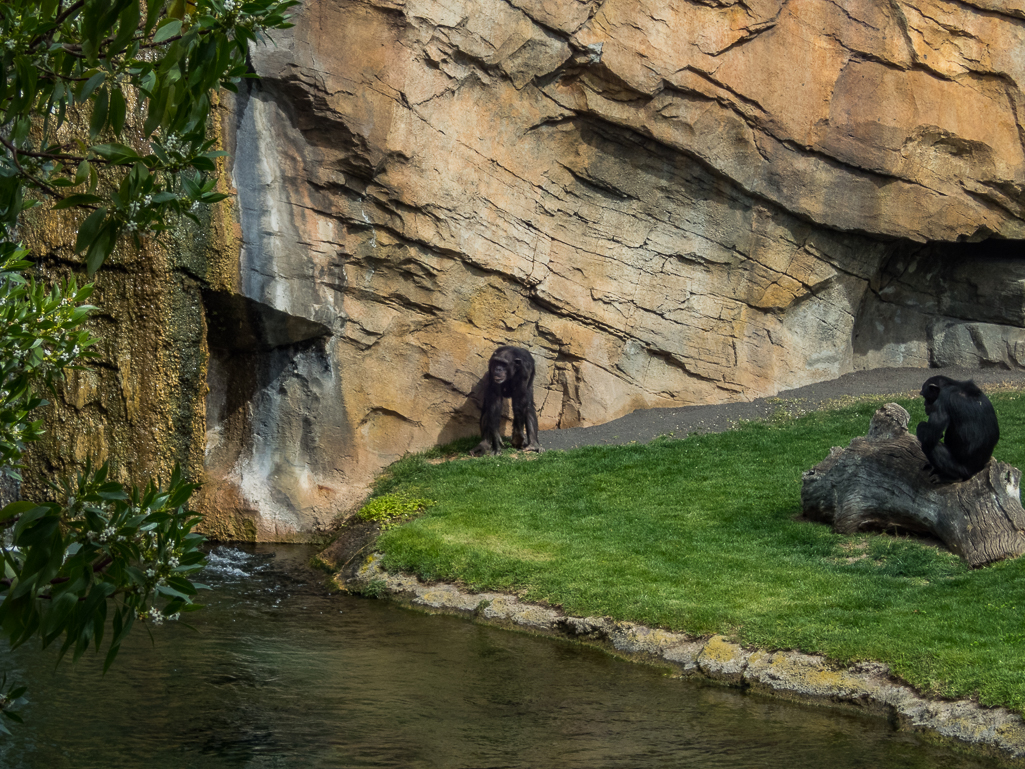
(961, 415)
(510, 375)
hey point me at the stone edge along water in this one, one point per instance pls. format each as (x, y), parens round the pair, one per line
(808, 678)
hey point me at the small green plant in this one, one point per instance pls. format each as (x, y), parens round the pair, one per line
(391, 509)
(375, 588)
(482, 607)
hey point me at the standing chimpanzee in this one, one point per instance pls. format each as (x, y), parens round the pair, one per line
(510, 375)
(963, 417)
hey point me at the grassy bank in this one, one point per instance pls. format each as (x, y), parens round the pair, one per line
(699, 535)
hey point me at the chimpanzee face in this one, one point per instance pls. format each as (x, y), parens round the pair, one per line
(931, 391)
(499, 371)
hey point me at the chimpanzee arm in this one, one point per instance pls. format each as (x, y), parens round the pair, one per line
(930, 434)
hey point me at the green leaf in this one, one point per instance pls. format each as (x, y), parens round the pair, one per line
(167, 590)
(79, 199)
(27, 75)
(117, 112)
(82, 172)
(156, 107)
(102, 247)
(46, 8)
(89, 230)
(128, 25)
(16, 508)
(153, 9)
(99, 117)
(17, 693)
(90, 86)
(115, 153)
(58, 616)
(168, 29)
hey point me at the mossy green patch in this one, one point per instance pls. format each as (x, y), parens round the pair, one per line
(390, 509)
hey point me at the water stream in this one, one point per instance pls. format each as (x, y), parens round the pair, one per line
(277, 673)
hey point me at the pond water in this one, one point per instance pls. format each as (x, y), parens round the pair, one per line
(277, 673)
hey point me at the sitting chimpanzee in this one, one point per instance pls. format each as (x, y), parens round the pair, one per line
(963, 417)
(510, 375)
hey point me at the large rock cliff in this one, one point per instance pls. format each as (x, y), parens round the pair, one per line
(668, 203)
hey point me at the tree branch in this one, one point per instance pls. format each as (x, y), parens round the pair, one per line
(14, 157)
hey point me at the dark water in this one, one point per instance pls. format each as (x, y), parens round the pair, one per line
(279, 674)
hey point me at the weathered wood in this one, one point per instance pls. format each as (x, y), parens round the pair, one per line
(883, 480)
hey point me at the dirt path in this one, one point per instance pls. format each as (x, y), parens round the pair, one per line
(646, 424)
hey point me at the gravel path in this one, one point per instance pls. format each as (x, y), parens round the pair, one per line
(646, 424)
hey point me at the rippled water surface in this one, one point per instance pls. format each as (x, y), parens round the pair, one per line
(277, 673)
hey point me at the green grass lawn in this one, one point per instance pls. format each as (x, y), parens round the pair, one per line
(700, 535)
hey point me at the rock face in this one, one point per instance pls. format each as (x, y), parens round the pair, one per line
(139, 405)
(668, 203)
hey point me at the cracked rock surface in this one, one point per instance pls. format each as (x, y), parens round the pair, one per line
(668, 203)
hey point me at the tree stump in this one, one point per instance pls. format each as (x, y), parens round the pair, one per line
(883, 480)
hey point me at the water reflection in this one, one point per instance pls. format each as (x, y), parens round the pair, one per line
(277, 673)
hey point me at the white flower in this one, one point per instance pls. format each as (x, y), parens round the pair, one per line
(174, 145)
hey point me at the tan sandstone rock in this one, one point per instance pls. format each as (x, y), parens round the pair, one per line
(667, 203)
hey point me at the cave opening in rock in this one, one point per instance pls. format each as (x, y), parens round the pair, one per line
(263, 363)
(945, 304)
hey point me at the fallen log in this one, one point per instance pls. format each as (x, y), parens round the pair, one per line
(883, 480)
